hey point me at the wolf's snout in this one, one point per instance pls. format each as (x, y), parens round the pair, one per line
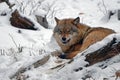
(63, 39)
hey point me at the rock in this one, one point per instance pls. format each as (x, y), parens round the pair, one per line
(42, 21)
(118, 14)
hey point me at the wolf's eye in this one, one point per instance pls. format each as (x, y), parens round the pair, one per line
(74, 30)
(70, 32)
(59, 31)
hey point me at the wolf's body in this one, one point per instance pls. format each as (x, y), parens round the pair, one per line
(74, 37)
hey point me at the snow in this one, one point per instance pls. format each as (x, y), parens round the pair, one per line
(37, 44)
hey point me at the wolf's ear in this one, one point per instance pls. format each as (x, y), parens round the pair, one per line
(76, 20)
(56, 19)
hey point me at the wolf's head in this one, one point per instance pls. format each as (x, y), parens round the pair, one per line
(66, 31)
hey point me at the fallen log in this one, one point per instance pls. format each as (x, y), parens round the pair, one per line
(35, 65)
(21, 22)
(108, 51)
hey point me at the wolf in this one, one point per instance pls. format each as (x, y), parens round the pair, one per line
(74, 37)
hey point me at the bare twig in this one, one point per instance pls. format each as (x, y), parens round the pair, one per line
(100, 9)
(105, 11)
(104, 6)
(13, 40)
(18, 47)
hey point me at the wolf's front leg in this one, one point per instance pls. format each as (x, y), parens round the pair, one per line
(76, 50)
(56, 53)
(69, 55)
(72, 54)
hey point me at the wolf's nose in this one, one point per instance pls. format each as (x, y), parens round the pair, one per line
(64, 39)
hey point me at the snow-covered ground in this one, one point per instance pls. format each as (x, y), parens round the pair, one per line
(36, 44)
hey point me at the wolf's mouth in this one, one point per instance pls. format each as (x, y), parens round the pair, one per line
(65, 42)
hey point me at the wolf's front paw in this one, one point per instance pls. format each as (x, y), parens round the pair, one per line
(63, 56)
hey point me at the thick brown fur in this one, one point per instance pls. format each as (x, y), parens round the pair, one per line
(74, 37)
(117, 74)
